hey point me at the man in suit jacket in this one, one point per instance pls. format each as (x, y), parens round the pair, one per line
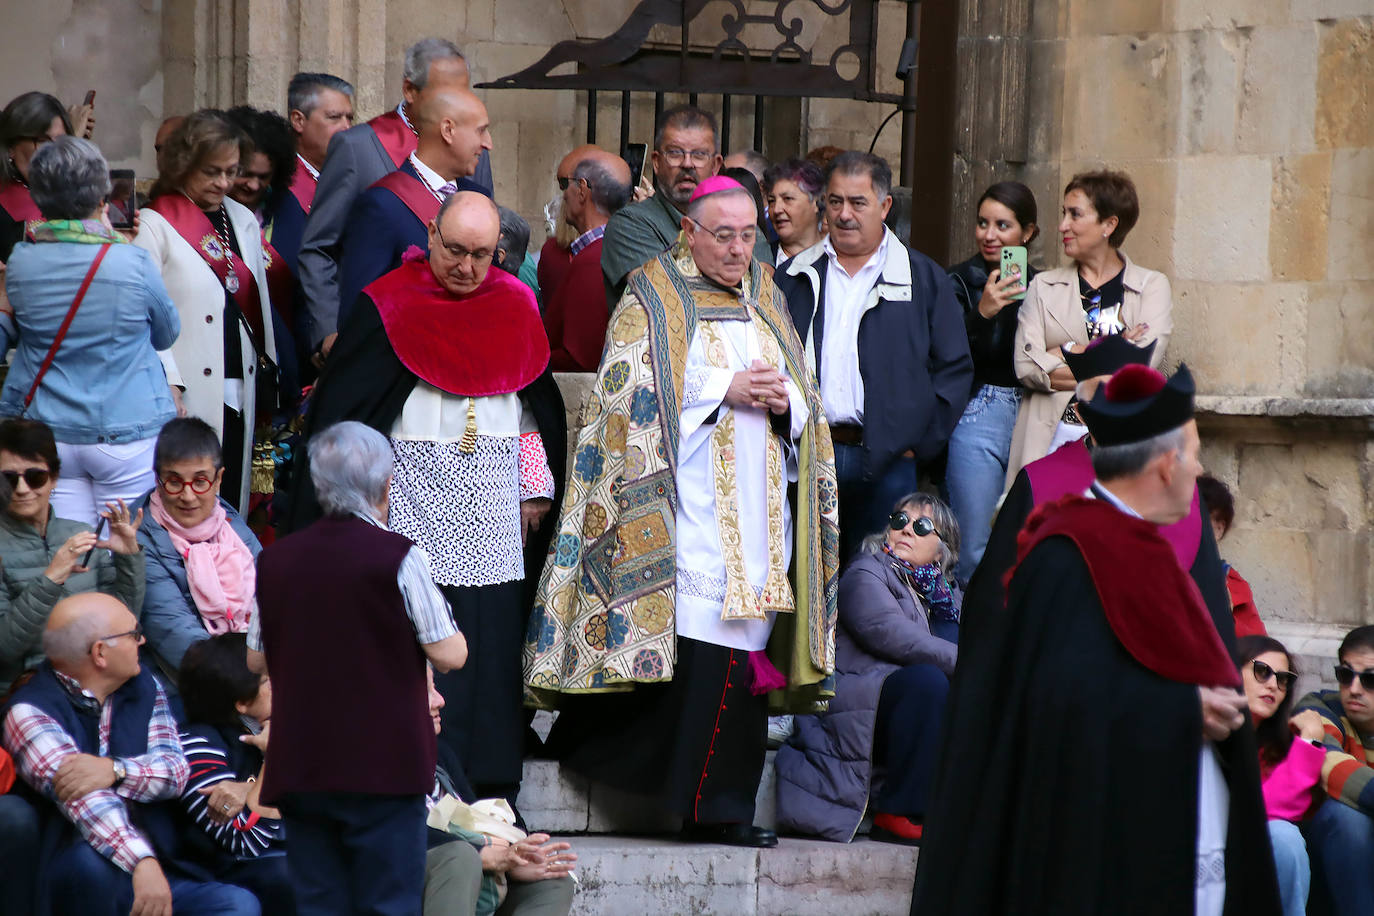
(357, 158)
(393, 215)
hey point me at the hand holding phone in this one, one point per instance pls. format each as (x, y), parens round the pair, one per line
(123, 199)
(1014, 268)
(99, 527)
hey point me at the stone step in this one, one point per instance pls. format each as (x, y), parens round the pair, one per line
(554, 801)
(635, 876)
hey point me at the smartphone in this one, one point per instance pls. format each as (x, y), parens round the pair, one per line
(636, 156)
(90, 98)
(1014, 265)
(123, 199)
(99, 527)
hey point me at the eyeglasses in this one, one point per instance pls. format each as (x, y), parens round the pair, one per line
(34, 477)
(1286, 679)
(136, 633)
(215, 174)
(459, 253)
(921, 526)
(675, 155)
(200, 484)
(726, 236)
(1345, 676)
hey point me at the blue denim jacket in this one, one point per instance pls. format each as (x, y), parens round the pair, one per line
(106, 383)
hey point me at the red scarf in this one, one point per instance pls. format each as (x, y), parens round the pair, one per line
(490, 341)
(195, 227)
(397, 138)
(1152, 605)
(18, 202)
(303, 186)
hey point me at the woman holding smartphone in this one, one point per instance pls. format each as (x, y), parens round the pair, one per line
(1102, 292)
(28, 122)
(980, 446)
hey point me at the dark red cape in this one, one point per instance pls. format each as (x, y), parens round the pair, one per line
(1151, 603)
(490, 341)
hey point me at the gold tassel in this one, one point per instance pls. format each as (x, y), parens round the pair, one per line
(468, 444)
(264, 475)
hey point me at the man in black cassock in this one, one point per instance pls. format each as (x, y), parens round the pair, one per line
(1091, 762)
(448, 358)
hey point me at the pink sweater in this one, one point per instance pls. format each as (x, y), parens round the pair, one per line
(1288, 788)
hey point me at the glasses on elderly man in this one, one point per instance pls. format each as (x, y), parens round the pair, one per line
(459, 253)
(200, 484)
(136, 633)
(920, 526)
(726, 236)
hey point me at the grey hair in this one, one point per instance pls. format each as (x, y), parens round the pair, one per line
(69, 178)
(350, 463)
(695, 207)
(854, 162)
(514, 239)
(945, 522)
(1112, 462)
(754, 161)
(608, 195)
(303, 93)
(424, 52)
(69, 645)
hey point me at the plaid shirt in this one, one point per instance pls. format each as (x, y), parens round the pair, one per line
(39, 745)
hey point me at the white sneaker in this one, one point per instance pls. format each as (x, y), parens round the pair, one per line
(779, 730)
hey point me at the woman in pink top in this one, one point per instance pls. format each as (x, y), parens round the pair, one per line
(1291, 754)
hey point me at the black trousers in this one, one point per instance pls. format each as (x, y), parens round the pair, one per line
(906, 742)
(696, 743)
(483, 716)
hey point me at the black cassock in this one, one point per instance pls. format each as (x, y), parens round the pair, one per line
(483, 719)
(1068, 775)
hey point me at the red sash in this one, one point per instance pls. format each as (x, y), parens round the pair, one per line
(413, 192)
(303, 186)
(398, 140)
(490, 341)
(195, 227)
(18, 203)
(281, 285)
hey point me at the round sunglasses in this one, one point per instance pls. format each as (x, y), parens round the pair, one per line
(921, 526)
(1264, 672)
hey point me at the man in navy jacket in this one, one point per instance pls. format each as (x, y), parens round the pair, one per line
(885, 335)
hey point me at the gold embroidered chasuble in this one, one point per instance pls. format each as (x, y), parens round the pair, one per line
(604, 615)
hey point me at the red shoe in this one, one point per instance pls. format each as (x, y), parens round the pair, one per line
(892, 828)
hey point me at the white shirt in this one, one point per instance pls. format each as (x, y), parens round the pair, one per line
(846, 297)
(437, 186)
(314, 172)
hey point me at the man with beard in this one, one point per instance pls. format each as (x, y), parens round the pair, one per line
(685, 154)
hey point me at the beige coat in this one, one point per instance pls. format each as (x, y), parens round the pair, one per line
(1052, 316)
(196, 360)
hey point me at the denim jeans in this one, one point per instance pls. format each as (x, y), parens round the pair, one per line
(979, 449)
(85, 883)
(1292, 866)
(866, 504)
(1340, 842)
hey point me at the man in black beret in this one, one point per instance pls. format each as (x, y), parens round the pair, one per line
(1128, 779)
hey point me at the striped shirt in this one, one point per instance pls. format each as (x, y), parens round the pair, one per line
(425, 605)
(39, 745)
(1348, 770)
(248, 835)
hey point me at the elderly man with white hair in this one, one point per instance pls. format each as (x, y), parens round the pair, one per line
(669, 583)
(347, 617)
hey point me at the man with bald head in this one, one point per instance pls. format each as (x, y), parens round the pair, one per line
(358, 157)
(575, 311)
(92, 733)
(447, 356)
(702, 477)
(393, 215)
(554, 257)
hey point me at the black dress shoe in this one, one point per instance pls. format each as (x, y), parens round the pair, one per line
(729, 834)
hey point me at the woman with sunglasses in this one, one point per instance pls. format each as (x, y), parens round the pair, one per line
(895, 653)
(1291, 755)
(28, 122)
(1102, 292)
(201, 553)
(46, 558)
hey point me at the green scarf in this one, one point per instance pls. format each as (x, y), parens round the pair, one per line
(86, 231)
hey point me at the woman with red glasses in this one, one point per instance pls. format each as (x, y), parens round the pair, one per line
(46, 558)
(1291, 755)
(201, 553)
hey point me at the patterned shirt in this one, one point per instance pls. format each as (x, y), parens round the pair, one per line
(585, 239)
(40, 744)
(426, 606)
(1348, 771)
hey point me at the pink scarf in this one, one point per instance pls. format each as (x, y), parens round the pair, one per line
(219, 567)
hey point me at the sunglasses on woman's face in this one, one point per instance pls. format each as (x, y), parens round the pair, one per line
(1263, 673)
(920, 526)
(34, 477)
(1345, 676)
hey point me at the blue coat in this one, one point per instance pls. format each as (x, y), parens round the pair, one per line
(170, 619)
(913, 350)
(825, 769)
